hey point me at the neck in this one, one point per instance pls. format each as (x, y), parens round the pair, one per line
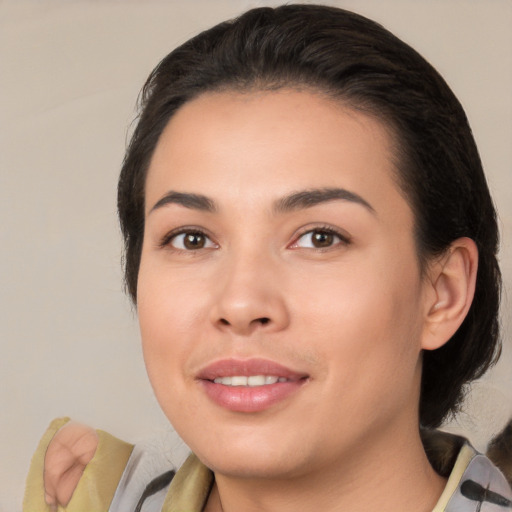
(386, 474)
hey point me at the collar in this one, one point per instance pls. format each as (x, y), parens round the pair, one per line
(474, 484)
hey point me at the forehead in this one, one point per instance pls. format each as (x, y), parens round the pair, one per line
(262, 145)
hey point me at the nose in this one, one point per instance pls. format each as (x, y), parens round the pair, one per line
(250, 297)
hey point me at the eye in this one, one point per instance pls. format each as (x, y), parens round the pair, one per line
(320, 238)
(189, 240)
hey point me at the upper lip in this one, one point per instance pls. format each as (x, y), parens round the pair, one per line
(248, 367)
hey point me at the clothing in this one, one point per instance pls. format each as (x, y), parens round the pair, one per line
(474, 484)
(98, 482)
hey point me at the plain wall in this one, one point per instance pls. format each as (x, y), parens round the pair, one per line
(69, 77)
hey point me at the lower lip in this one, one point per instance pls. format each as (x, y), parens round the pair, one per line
(250, 399)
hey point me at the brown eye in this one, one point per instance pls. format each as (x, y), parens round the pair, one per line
(320, 239)
(191, 241)
(194, 241)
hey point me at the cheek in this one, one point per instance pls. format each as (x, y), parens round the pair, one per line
(163, 320)
(169, 303)
(173, 311)
(366, 322)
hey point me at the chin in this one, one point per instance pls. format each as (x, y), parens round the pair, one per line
(251, 466)
(253, 456)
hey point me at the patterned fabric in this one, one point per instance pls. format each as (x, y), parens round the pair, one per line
(481, 488)
(474, 485)
(117, 475)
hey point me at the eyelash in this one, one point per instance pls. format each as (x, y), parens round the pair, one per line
(166, 241)
(343, 238)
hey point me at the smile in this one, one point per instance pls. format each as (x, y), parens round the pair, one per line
(251, 381)
(249, 386)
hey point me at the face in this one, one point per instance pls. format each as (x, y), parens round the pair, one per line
(279, 295)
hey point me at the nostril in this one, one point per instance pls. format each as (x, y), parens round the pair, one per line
(264, 320)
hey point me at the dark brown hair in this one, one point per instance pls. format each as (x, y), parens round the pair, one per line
(359, 62)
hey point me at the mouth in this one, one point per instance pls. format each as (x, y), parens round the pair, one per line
(251, 380)
(249, 385)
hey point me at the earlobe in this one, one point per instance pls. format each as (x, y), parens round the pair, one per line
(452, 281)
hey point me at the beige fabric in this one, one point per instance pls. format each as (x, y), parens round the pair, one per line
(190, 487)
(34, 489)
(97, 484)
(462, 462)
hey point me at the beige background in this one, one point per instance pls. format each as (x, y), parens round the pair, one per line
(69, 76)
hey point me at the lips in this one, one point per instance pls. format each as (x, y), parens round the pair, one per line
(249, 385)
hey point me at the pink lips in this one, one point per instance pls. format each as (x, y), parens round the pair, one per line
(246, 398)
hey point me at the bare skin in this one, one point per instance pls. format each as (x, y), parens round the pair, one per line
(251, 283)
(68, 454)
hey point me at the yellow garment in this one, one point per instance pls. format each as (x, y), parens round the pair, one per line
(190, 488)
(188, 492)
(97, 484)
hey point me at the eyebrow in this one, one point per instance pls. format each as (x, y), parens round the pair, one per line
(309, 198)
(192, 201)
(296, 201)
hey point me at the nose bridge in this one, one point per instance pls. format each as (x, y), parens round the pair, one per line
(249, 295)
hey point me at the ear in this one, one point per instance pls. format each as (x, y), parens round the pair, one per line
(452, 280)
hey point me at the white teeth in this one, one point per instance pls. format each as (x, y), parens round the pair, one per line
(238, 381)
(251, 381)
(256, 380)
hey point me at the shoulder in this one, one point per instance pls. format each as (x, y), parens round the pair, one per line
(98, 482)
(478, 483)
(473, 481)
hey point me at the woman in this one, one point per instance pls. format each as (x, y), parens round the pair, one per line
(311, 246)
